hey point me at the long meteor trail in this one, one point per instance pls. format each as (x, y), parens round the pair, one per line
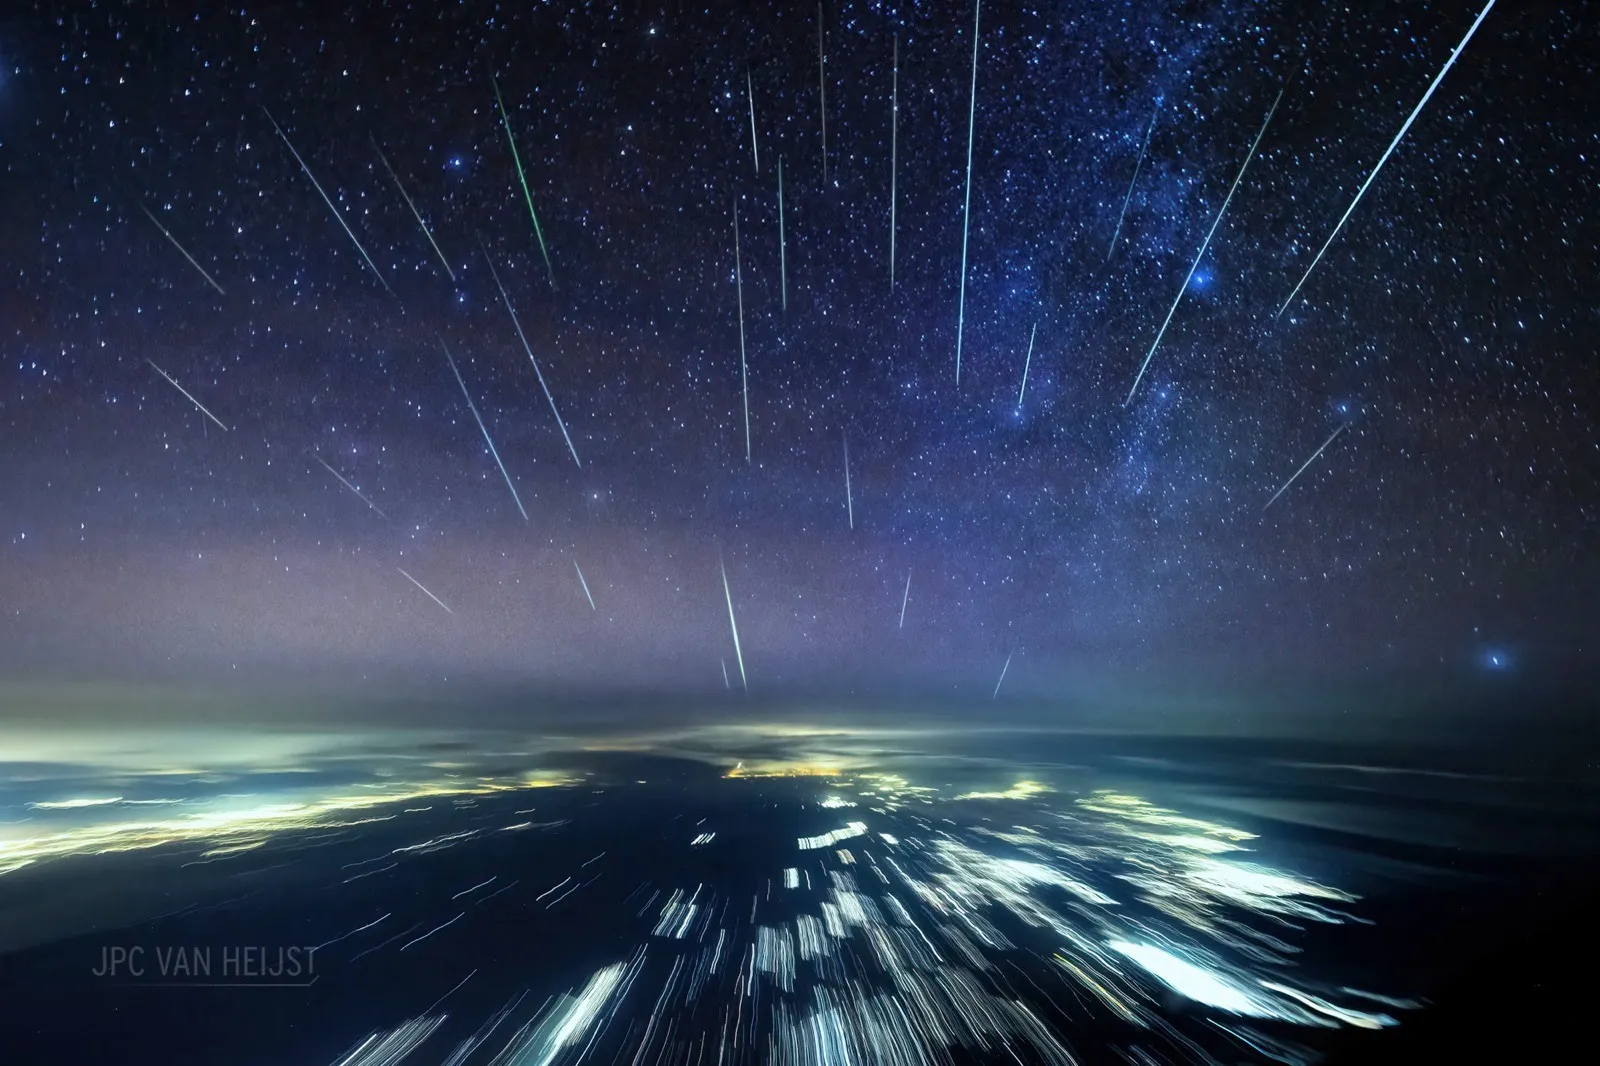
(1303, 466)
(414, 212)
(359, 495)
(733, 626)
(209, 279)
(904, 599)
(425, 591)
(342, 223)
(516, 158)
(750, 92)
(744, 373)
(894, 152)
(1028, 362)
(1003, 670)
(529, 349)
(966, 212)
(585, 585)
(822, 89)
(186, 394)
(1143, 148)
(1387, 152)
(849, 505)
(483, 429)
(783, 247)
(1203, 246)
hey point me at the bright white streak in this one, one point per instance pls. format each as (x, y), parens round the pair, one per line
(424, 588)
(1392, 144)
(344, 225)
(744, 372)
(185, 392)
(822, 91)
(584, 583)
(414, 212)
(849, 505)
(783, 249)
(1003, 670)
(966, 212)
(1135, 180)
(1203, 246)
(529, 349)
(484, 430)
(349, 486)
(434, 930)
(725, 682)
(894, 153)
(734, 626)
(1025, 365)
(904, 600)
(1302, 469)
(181, 248)
(751, 93)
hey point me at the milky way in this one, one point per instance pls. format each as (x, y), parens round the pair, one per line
(1446, 335)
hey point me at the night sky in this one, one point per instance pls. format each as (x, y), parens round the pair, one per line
(1448, 334)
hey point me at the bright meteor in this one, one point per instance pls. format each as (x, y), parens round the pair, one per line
(733, 626)
(1203, 246)
(1303, 466)
(516, 158)
(209, 279)
(414, 212)
(483, 429)
(359, 495)
(337, 216)
(1387, 152)
(529, 349)
(425, 591)
(186, 394)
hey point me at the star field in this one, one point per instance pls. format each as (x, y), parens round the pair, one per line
(1080, 535)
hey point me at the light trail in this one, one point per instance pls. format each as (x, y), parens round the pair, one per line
(529, 349)
(425, 591)
(426, 232)
(483, 429)
(212, 281)
(744, 372)
(173, 381)
(337, 216)
(585, 585)
(1203, 246)
(1387, 152)
(349, 486)
(1135, 180)
(522, 177)
(966, 212)
(1303, 466)
(733, 626)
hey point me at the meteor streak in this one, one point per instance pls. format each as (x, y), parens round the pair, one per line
(414, 212)
(185, 392)
(783, 251)
(1003, 670)
(966, 212)
(430, 595)
(1203, 246)
(584, 583)
(1303, 466)
(850, 507)
(822, 88)
(1025, 365)
(343, 224)
(349, 486)
(734, 627)
(744, 375)
(725, 682)
(1142, 149)
(894, 152)
(528, 348)
(1386, 153)
(212, 281)
(483, 429)
(750, 92)
(516, 158)
(904, 599)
